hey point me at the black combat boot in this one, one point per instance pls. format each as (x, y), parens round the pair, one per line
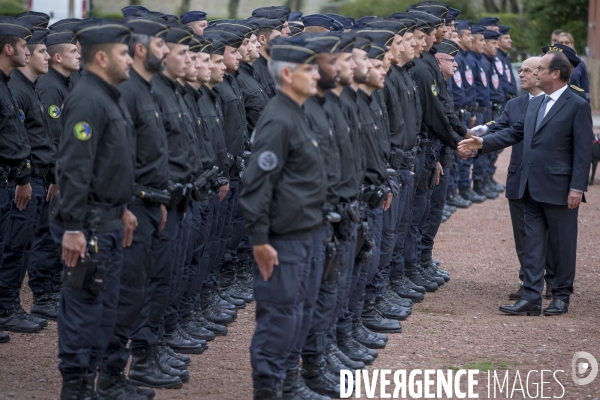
(218, 330)
(116, 387)
(44, 306)
(373, 320)
(472, 196)
(353, 350)
(196, 331)
(12, 321)
(4, 337)
(334, 365)
(344, 359)
(391, 311)
(413, 274)
(181, 344)
(181, 357)
(240, 292)
(165, 367)
(496, 186)
(431, 274)
(317, 378)
(294, 387)
(453, 199)
(225, 295)
(400, 287)
(145, 371)
(80, 387)
(432, 269)
(365, 337)
(268, 393)
(245, 274)
(212, 312)
(23, 314)
(481, 189)
(397, 300)
(168, 357)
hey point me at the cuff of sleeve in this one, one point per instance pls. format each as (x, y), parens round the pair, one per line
(24, 180)
(73, 226)
(576, 190)
(259, 238)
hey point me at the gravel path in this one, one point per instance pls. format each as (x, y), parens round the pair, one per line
(457, 327)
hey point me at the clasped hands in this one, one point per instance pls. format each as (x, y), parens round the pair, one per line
(469, 146)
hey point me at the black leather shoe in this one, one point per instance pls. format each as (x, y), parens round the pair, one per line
(556, 307)
(334, 365)
(238, 303)
(180, 344)
(482, 189)
(432, 270)
(362, 335)
(23, 314)
(218, 330)
(351, 348)
(522, 307)
(116, 387)
(516, 295)
(498, 187)
(213, 313)
(393, 298)
(4, 337)
(414, 275)
(146, 392)
(453, 199)
(181, 357)
(399, 286)
(12, 321)
(145, 371)
(344, 359)
(164, 356)
(195, 331)
(79, 387)
(294, 387)
(190, 338)
(469, 194)
(373, 320)
(164, 366)
(317, 378)
(431, 275)
(391, 311)
(449, 208)
(45, 306)
(238, 291)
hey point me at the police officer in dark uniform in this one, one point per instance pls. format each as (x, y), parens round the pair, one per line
(14, 165)
(509, 82)
(95, 173)
(196, 20)
(29, 226)
(148, 49)
(283, 197)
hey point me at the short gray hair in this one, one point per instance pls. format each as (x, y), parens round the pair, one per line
(275, 68)
(138, 38)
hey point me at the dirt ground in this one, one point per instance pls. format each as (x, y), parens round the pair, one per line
(459, 326)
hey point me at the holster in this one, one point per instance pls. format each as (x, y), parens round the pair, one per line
(177, 191)
(396, 158)
(152, 195)
(424, 182)
(447, 158)
(237, 167)
(333, 260)
(203, 187)
(394, 187)
(187, 198)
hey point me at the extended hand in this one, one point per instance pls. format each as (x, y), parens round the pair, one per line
(22, 196)
(73, 248)
(266, 258)
(470, 145)
(574, 199)
(130, 224)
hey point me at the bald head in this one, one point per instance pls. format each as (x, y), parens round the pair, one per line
(527, 78)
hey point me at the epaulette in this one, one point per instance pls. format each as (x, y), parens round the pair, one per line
(577, 88)
(490, 123)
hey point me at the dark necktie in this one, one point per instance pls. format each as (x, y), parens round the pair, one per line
(542, 112)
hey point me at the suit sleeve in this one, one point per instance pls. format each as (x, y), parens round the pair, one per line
(76, 159)
(259, 180)
(503, 122)
(504, 138)
(583, 137)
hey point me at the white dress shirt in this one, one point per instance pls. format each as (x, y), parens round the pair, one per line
(554, 97)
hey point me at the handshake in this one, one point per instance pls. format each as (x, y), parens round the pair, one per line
(472, 142)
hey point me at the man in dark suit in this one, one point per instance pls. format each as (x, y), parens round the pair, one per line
(556, 131)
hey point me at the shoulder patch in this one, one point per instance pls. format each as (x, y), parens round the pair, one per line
(577, 88)
(434, 89)
(267, 161)
(21, 115)
(82, 131)
(54, 111)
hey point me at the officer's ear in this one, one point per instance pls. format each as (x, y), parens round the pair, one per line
(140, 50)
(287, 75)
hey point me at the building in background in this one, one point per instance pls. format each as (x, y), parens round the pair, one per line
(593, 53)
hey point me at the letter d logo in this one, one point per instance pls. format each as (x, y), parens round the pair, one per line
(579, 368)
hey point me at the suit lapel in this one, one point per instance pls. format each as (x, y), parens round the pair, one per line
(562, 100)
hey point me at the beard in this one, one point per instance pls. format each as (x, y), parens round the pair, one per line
(154, 64)
(326, 82)
(359, 77)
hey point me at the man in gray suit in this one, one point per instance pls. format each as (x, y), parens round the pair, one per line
(556, 131)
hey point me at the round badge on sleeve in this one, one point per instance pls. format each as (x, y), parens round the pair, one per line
(267, 161)
(21, 115)
(54, 111)
(82, 131)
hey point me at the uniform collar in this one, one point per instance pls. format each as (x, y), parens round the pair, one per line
(20, 76)
(173, 84)
(286, 100)
(247, 68)
(4, 78)
(64, 79)
(100, 83)
(134, 76)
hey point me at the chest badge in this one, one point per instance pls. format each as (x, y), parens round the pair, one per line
(54, 111)
(82, 131)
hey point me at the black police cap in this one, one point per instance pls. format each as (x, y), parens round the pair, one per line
(347, 40)
(491, 35)
(102, 31)
(60, 36)
(566, 50)
(196, 43)
(228, 36)
(394, 25)
(295, 29)
(151, 26)
(377, 51)
(346, 22)
(266, 23)
(447, 47)
(193, 16)
(361, 22)
(478, 30)
(433, 7)
(39, 36)
(179, 34)
(504, 30)
(207, 46)
(293, 50)
(322, 21)
(463, 24)
(295, 16)
(34, 19)
(321, 42)
(171, 18)
(423, 22)
(433, 20)
(452, 15)
(65, 24)
(130, 10)
(244, 29)
(278, 12)
(362, 42)
(14, 27)
(488, 21)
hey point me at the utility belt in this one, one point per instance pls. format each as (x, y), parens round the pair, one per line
(150, 196)
(496, 110)
(510, 97)
(461, 113)
(396, 158)
(476, 108)
(238, 165)
(8, 175)
(426, 144)
(334, 259)
(203, 188)
(372, 195)
(350, 216)
(364, 246)
(42, 170)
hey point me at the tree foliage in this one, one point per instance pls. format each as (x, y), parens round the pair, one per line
(11, 7)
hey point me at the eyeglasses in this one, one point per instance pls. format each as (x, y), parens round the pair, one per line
(540, 69)
(446, 59)
(524, 71)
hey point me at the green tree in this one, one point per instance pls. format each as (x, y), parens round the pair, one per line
(12, 7)
(547, 15)
(383, 8)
